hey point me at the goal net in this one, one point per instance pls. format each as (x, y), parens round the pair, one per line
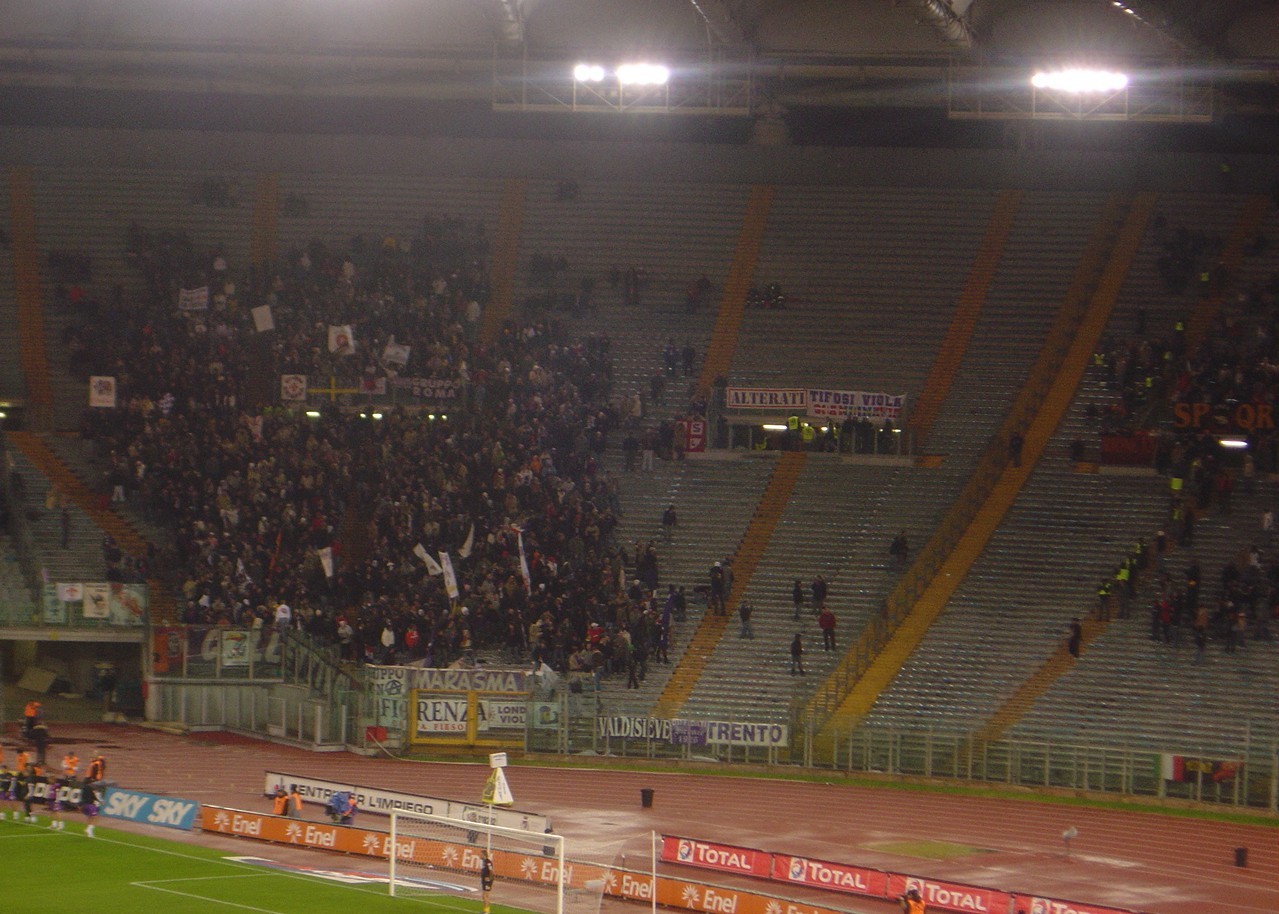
(436, 855)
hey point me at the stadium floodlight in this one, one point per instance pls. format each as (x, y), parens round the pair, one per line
(1079, 81)
(1233, 442)
(643, 74)
(588, 73)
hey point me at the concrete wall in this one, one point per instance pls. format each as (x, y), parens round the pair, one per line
(226, 152)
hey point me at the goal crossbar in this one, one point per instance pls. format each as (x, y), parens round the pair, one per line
(421, 840)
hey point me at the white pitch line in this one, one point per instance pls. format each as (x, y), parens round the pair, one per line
(151, 882)
(31, 834)
(230, 904)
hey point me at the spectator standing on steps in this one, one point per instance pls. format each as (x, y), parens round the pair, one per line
(819, 593)
(716, 599)
(797, 655)
(744, 609)
(670, 520)
(1076, 639)
(797, 597)
(826, 622)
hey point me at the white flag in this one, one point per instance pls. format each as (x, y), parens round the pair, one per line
(465, 551)
(194, 299)
(326, 560)
(341, 339)
(450, 579)
(396, 353)
(432, 567)
(102, 391)
(263, 320)
(528, 581)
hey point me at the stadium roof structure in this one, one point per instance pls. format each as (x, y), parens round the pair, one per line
(1195, 59)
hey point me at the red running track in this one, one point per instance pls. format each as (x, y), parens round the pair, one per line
(1147, 861)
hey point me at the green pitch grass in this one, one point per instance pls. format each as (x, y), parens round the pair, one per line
(116, 872)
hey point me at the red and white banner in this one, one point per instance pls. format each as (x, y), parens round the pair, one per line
(1032, 904)
(723, 857)
(837, 877)
(950, 896)
(854, 404)
(790, 399)
(694, 435)
(676, 893)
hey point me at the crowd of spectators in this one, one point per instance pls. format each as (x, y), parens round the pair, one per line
(259, 497)
(1186, 401)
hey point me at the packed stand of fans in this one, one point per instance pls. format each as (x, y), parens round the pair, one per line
(255, 496)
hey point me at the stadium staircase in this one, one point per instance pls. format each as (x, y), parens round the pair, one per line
(728, 319)
(964, 320)
(26, 279)
(505, 259)
(848, 695)
(1131, 690)
(266, 218)
(1121, 510)
(745, 560)
(837, 524)
(861, 312)
(674, 233)
(41, 468)
(714, 500)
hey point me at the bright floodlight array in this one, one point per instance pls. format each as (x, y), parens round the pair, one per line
(1080, 81)
(628, 74)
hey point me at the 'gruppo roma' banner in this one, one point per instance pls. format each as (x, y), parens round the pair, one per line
(854, 404)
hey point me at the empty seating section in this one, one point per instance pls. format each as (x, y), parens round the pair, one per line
(871, 277)
(1131, 690)
(88, 211)
(1040, 258)
(838, 524)
(334, 208)
(1145, 290)
(673, 233)
(714, 501)
(81, 559)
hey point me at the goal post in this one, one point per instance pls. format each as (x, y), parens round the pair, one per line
(429, 854)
